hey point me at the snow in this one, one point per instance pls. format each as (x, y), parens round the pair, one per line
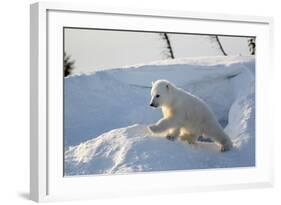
(106, 114)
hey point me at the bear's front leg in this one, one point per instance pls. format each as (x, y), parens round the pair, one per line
(173, 134)
(162, 126)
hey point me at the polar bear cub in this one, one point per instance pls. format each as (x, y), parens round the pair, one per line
(185, 116)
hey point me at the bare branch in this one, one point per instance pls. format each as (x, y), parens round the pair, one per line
(169, 46)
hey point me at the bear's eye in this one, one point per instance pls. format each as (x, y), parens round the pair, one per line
(157, 96)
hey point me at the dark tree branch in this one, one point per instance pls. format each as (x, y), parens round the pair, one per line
(220, 45)
(252, 46)
(169, 46)
(68, 65)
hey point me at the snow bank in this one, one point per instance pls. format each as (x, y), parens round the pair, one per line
(97, 104)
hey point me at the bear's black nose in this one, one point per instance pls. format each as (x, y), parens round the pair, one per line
(151, 104)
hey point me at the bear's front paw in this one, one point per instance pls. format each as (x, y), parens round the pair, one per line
(172, 138)
(152, 128)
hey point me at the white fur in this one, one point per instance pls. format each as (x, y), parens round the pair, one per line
(185, 116)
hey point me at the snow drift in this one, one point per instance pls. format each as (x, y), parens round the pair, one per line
(106, 114)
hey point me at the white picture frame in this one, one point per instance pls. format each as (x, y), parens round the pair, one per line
(46, 177)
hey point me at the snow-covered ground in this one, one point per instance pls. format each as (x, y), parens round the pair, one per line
(106, 114)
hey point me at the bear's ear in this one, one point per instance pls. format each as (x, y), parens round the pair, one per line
(152, 82)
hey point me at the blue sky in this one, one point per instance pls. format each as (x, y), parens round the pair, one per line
(100, 49)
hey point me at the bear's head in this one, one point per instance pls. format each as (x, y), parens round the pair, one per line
(161, 93)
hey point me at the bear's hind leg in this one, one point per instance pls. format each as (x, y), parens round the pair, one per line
(226, 144)
(221, 139)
